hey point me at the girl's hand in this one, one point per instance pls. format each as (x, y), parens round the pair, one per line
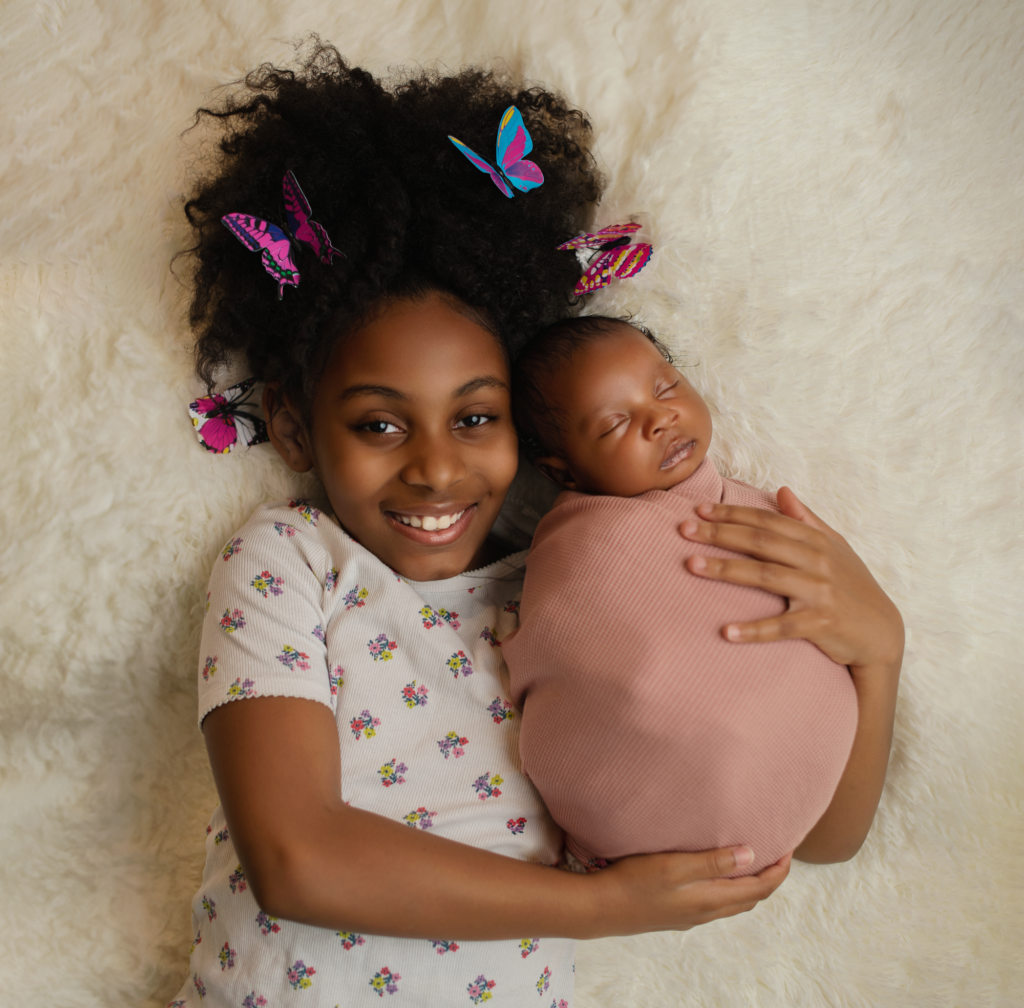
(834, 602)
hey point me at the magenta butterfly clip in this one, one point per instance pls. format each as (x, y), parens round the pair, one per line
(514, 143)
(221, 424)
(255, 234)
(613, 255)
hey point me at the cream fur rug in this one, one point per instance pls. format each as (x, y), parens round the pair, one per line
(834, 191)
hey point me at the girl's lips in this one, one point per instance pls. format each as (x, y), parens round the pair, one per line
(678, 453)
(437, 537)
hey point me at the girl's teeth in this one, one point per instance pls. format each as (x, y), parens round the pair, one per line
(430, 523)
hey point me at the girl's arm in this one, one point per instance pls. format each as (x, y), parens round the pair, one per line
(835, 603)
(309, 857)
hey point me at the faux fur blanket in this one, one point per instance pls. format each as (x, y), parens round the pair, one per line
(834, 193)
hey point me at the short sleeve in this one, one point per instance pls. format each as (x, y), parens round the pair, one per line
(263, 633)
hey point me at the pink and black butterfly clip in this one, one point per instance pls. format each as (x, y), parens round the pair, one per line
(513, 144)
(256, 234)
(222, 424)
(613, 256)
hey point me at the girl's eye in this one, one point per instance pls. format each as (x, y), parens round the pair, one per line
(665, 391)
(474, 420)
(380, 427)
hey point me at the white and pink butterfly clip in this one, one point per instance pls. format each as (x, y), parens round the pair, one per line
(258, 235)
(612, 255)
(220, 422)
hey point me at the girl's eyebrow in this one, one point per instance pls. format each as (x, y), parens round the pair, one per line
(475, 384)
(353, 391)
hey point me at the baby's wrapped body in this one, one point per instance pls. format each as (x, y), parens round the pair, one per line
(643, 729)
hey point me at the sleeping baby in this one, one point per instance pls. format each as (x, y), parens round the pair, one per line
(643, 729)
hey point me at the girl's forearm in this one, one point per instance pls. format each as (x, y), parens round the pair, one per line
(839, 833)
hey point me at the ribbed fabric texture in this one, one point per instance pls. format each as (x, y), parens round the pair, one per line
(643, 729)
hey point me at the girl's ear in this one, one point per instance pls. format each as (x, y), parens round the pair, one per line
(285, 429)
(557, 470)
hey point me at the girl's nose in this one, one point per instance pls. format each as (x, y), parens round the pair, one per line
(435, 463)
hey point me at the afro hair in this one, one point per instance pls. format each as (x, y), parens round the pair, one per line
(409, 212)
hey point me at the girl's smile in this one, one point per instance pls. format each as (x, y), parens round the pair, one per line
(414, 446)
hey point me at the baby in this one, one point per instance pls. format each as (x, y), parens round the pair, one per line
(643, 729)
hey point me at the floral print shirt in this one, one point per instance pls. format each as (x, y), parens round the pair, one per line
(414, 676)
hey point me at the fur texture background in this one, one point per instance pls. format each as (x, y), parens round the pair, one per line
(834, 191)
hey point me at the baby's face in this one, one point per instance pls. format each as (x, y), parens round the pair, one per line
(631, 421)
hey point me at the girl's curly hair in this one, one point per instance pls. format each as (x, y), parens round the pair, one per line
(410, 213)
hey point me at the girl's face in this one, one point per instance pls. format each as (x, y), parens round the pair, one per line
(412, 438)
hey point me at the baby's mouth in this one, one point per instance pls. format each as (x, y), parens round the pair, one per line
(678, 452)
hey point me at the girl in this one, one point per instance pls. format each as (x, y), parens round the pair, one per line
(375, 835)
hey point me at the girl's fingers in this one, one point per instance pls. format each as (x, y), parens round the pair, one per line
(761, 542)
(785, 627)
(779, 579)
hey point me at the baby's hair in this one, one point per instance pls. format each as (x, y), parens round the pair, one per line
(410, 213)
(537, 419)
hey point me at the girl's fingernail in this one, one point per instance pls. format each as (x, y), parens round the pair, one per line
(698, 563)
(743, 855)
(689, 528)
(705, 509)
(732, 632)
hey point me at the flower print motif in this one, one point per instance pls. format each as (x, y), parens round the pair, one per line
(460, 663)
(198, 940)
(473, 589)
(443, 945)
(365, 724)
(332, 579)
(528, 945)
(381, 649)
(516, 826)
(237, 880)
(177, 1004)
(500, 710)
(391, 773)
(355, 598)
(232, 620)
(199, 985)
(512, 606)
(480, 989)
(562, 1003)
(318, 633)
(413, 695)
(207, 601)
(487, 787)
(210, 668)
(487, 634)
(298, 975)
(267, 924)
(254, 1000)
(398, 577)
(303, 508)
(452, 745)
(233, 547)
(436, 617)
(265, 582)
(293, 658)
(210, 906)
(384, 981)
(545, 981)
(283, 529)
(242, 688)
(221, 836)
(420, 817)
(336, 679)
(209, 830)
(349, 939)
(227, 957)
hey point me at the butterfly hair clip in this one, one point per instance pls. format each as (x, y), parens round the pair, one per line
(220, 422)
(612, 255)
(513, 144)
(257, 234)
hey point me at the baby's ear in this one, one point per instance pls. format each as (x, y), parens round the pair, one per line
(285, 429)
(557, 470)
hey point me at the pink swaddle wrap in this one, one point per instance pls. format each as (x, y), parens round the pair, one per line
(642, 728)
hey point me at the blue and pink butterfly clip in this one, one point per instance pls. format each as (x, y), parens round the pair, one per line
(513, 144)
